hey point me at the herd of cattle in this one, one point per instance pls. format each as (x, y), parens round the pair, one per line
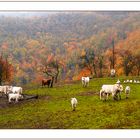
(15, 93)
(114, 89)
(131, 81)
(11, 92)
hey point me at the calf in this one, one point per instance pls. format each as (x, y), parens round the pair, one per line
(74, 103)
(5, 89)
(127, 91)
(16, 97)
(112, 72)
(85, 81)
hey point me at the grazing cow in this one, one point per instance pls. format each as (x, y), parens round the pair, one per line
(131, 81)
(74, 103)
(111, 89)
(15, 90)
(14, 96)
(127, 91)
(85, 81)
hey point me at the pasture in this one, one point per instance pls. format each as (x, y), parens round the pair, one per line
(52, 110)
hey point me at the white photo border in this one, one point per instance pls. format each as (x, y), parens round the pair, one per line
(61, 7)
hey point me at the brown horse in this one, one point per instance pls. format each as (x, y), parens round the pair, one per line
(46, 82)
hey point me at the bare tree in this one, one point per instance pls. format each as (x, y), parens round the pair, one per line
(52, 69)
(89, 61)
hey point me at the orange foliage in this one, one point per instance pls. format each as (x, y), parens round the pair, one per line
(50, 57)
(83, 72)
(7, 70)
(129, 46)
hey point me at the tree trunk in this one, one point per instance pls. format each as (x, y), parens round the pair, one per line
(0, 80)
(101, 74)
(56, 75)
(94, 67)
(138, 71)
(0, 74)
(126, 72)
(113, 59)
(52, 82)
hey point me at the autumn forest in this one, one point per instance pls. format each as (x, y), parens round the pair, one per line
(68, 45)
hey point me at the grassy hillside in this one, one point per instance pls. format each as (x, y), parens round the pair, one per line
(53, 108)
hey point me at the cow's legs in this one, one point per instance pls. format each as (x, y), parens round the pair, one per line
(107, 96)
(127, 95)
(120, 96)
(16, 100)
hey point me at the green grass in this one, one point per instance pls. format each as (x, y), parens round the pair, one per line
(53, 108)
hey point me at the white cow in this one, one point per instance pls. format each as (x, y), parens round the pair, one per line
(16, 97)
(17, 90)
(135, 81)
(103, 95)
(4, 89)
(127, 81)
(85, 81)
(114, 90)
(112, 72)
(127, 91)
(74, 102)
(120, 91)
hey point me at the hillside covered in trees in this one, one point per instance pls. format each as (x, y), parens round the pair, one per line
(68, 45)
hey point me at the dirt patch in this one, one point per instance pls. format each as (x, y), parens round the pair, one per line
(45, 97)
(4, 100)
(90, 93)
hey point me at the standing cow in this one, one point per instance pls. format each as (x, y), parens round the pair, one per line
(14, 96)
(48, 82)
(85, 81)
(127, 91)
(15, 90)
(5, 89)
(115, 90)
(74, 102)
(112, 72)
